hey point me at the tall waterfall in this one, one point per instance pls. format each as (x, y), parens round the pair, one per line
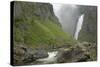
(79, 26)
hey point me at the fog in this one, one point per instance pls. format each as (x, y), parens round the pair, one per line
(68, 16)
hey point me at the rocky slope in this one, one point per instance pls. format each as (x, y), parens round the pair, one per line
(89, 29)
(35, 24)
(36, 27)
(81, 53)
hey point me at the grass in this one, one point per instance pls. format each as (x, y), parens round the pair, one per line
(36, 33)
(33, 30)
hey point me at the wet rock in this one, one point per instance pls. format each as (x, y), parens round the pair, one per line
(40, 54)
(25, 55)
(91, 49)
(22, 55)
(75, 54)
(84, 58)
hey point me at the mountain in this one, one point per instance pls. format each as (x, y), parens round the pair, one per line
(37, 33)
(36, 26)
(89, 29)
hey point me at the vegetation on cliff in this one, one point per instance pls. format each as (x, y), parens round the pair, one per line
(37, 32)
(35, 25)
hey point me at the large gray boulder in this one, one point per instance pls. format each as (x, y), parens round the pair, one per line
(75, 54)
(40, 53)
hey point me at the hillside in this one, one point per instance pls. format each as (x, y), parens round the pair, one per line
(89, 29)
(37, 34)
(35, 24)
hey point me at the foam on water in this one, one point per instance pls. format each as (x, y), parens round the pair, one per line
(50, 58)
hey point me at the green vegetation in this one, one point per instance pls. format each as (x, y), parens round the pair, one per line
(37, 26)
(35, 32)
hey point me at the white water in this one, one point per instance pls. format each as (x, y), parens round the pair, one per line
(79, 26)
(50, 58)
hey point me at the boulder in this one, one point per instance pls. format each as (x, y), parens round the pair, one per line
(40, 53)
(22, 55)
(75, 54)
(25, 55)
(91, 49)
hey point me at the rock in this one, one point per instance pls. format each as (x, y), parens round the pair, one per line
(25, 55)
(84, 58)
(91, 49)
(82, 52)
(63, 55)
(75, 54)
(89, 28)
(40, 54)
(22, 55)
(43, 11)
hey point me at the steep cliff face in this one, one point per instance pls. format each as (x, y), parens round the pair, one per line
(43, 11)
(89, 29)
(35, 24)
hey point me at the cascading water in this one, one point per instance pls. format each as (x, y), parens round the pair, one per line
(50, 58)
(79, 26)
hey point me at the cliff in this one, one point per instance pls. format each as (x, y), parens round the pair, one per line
(89, 29)
(35, 24)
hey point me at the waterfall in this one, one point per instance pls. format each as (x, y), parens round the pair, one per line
(67, 16)
(79, 26)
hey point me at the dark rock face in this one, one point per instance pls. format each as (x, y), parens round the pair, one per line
(83, 52)
(24, 55)
(89, 29)
(75, 54)
(40, 54)
(43, 11)
(91, 49)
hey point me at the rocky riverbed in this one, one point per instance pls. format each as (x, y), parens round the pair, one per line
(24, 55)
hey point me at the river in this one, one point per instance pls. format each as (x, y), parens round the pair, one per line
(51, 58)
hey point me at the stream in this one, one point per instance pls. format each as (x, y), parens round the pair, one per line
(51, 58)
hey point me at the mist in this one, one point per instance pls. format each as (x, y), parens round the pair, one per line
(68, 16)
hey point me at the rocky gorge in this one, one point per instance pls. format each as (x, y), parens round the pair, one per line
(24, 55)
(39, 37)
